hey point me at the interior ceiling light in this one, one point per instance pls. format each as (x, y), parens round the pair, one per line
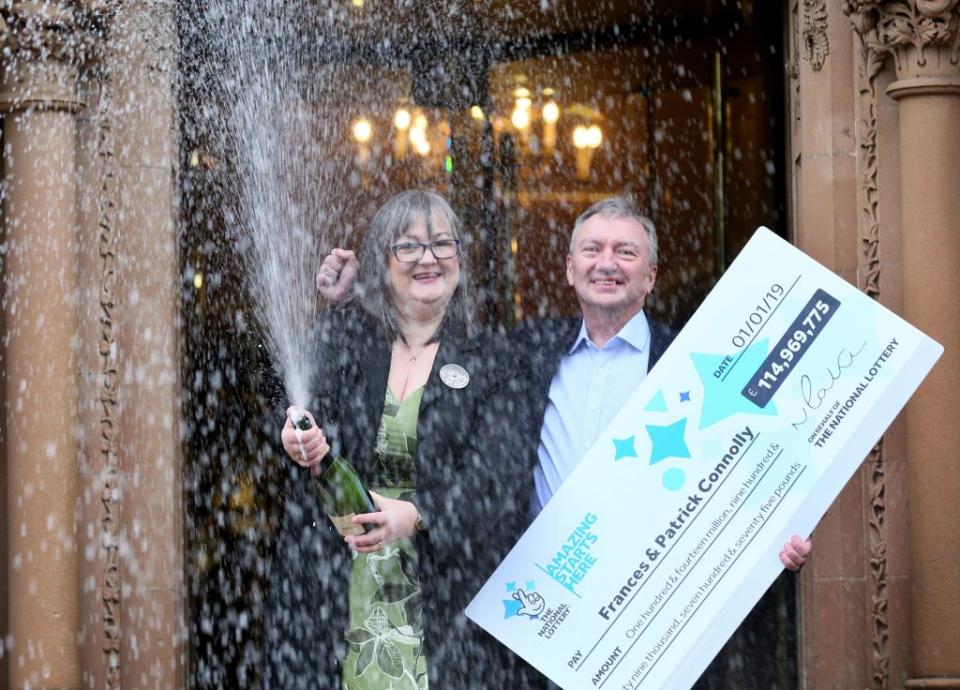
(521, 92)
(520, 117)
(551, 111)
(594, 136)
(401, 119)
(362, 130)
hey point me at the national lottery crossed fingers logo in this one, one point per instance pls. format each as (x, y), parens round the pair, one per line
(526, 604)
(523, 602)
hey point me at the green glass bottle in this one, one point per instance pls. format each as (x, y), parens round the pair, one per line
(340, 487)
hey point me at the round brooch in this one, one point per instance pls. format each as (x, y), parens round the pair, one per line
(454, 375)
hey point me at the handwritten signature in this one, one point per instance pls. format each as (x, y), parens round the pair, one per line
(813, 399)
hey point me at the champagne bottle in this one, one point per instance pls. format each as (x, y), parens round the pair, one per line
(340, 487)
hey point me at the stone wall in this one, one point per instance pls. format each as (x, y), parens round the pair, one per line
(93, 501)
(874, 136)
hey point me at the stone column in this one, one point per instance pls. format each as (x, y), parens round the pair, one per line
(928, 92)
(39, 102)
(923, 37)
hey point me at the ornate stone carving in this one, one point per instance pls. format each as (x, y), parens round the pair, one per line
(40, 30)
(45, 44)
(110, 471)
(816, 47)
(908, 29)
(870, 61)
(880, 639)
(110, 499)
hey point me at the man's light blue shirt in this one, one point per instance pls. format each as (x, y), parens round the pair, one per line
(591, 385)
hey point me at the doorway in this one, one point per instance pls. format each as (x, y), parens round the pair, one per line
(522, 114)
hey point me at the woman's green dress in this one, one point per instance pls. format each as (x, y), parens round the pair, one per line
(386, 628)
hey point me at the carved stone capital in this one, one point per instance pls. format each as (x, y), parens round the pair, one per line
(816, 47)
(923, 36)
(44, 46)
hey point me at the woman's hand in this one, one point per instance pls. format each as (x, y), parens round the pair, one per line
(395, 520)
(337, 275)
(306, 448)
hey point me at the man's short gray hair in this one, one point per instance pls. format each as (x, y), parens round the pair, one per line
(390, 222)
(620, 207)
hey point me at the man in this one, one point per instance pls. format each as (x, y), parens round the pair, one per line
(584, 370)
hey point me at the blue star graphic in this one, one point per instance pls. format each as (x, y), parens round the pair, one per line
(511, 607)
(668, 441)
(685, 396)
(657, 403)
(721, 397)
(531, 585)
(624, 448)
(512, 586)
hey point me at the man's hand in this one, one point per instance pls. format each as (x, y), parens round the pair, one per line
(795, 552)
(336, 276)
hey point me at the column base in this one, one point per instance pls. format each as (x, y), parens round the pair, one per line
(940, 683)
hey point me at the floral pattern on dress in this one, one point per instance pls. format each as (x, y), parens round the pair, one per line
(385, 635)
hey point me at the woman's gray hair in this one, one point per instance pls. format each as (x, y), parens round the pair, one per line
(620, 207)
(393, 219)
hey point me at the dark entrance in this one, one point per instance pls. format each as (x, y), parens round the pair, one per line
(522, 114)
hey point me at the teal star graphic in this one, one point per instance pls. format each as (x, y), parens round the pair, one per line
(531, 585)
(721, 397)
(657, 403)
(668, 441)
(512, 586)
(511, 607)
(624, 448)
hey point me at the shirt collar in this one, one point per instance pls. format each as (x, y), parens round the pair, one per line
(635, 333)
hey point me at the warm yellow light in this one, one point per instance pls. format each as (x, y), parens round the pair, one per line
(580, 137)
(356, 3)
(587, 137)
(198, 280)
(594, 136)
(418, 136)
(520, 117)
(362, 130)
(476, 112)
(524, 103)
(551, 111)
(514, 246)
(420, 122)
(548, 92)
(194, 159)
(422, 147)
(521, 92)
(401, 118)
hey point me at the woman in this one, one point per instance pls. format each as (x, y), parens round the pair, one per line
(416, 400)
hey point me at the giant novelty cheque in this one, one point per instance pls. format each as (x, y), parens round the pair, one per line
(667, 533)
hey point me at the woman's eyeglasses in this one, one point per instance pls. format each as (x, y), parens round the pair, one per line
(411, 252)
